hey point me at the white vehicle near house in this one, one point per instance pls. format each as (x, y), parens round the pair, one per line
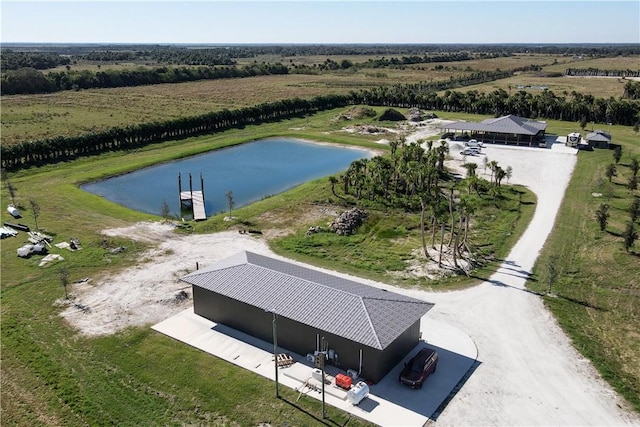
(473, 143)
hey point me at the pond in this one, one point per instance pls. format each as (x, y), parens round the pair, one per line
(251, 171)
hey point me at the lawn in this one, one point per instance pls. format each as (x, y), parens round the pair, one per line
(53, 375)
(596, 296)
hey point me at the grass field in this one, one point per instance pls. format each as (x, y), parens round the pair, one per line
(599, 87)
(27, 117)
(596, 297)
(619, 63)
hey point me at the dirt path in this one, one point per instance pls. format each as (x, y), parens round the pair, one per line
(529, 374)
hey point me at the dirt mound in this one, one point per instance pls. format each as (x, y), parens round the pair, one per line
(392, 115)
(356, 113)
(417, 115)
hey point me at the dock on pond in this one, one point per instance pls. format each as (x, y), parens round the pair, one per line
(193, 199)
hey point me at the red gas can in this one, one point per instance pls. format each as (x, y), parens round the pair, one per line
(343, 381)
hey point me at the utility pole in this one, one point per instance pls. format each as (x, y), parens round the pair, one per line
(275, 348)
(323, 355)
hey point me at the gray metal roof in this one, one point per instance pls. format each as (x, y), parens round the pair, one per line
(352, 310)
(598, 135)
(505, 124)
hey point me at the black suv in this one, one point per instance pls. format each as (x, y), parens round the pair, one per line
(420, 366)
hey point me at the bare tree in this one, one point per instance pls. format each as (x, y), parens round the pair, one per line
(230, 202)
(441, 245)
(423, 208)
(165, 210)
(11, 189)
(552, 272)
(63, 275)
(35, 211)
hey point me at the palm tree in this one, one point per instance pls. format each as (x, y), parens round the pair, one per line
(471, 169)
(500, 174)
(443, 150)
(492, 165)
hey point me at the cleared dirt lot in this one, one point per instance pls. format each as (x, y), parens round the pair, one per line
(529, 372)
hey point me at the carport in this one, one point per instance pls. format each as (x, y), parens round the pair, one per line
(502, 130)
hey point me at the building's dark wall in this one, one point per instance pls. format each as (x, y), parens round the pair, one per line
(398, 349)
(300, 338)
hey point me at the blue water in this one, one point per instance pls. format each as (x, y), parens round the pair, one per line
(250, 171)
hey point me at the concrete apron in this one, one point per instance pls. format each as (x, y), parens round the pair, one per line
(388, 403)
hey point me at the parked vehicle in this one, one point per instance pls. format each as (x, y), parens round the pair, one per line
(473, 143)
(416, 371)
(470, 151)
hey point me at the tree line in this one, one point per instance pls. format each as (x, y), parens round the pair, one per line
(596, 72)
(58, 148)
(249, 51)
(11, 60)
(31, 81)
(602, 214)
(543, 105)
(28, 80)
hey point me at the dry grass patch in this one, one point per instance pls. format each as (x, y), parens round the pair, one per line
(619, 63)
(598, 87)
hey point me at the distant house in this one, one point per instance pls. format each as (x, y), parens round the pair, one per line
(598, 139)
(368, 330)
(502, 130)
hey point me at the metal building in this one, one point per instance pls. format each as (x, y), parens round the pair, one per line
(368, 330)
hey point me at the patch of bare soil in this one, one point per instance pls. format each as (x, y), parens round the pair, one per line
(435, 267)
(151, 291)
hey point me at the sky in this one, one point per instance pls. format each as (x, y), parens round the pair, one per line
(321, 22)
